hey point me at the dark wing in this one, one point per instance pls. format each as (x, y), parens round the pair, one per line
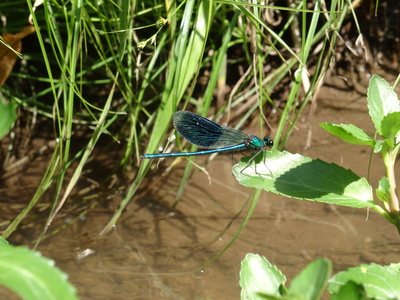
(205, 133)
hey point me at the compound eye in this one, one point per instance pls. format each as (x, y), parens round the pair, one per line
(268, 141)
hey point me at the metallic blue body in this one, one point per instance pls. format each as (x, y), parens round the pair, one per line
(205, 133)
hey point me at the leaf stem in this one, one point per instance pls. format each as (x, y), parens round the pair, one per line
(389, 158)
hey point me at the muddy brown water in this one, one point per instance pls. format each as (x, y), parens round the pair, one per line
(153, 254)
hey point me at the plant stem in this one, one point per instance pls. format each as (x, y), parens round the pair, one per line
(389, 158)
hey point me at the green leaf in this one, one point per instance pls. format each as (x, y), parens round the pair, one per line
(32, 276)
(378, 146)
(350, 291)
(300, 177)
(394, 267)
(194, 50)
(383, 191)
(349, 133)
(312, 280)
(8, 115)
(3, 242)
(391, 126)
(258, 277)
(379, 281)
(382, 100)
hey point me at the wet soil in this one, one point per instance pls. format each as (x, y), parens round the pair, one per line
(156, 252)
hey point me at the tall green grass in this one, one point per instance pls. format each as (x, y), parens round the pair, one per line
(148, 57)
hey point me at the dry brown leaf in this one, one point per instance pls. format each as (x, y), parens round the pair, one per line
(7, 56)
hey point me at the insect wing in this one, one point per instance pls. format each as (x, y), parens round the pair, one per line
(205, 133)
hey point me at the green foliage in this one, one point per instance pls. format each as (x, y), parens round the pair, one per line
(383, 191)
(380, 282)
(8, 115)
(259, 277)
(261, 280)
(384, 109)
(32, 276)
(4, 242)
(351, 291)
(299, 177)
(349, 133)
(382, 102)
(311, 281)
(296, 176)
